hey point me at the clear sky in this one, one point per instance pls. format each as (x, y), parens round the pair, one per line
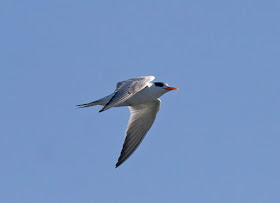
(215, 140)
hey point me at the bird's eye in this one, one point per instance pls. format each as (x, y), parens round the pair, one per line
(159, 84)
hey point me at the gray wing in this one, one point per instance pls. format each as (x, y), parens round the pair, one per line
(141, 120)
(126, 89)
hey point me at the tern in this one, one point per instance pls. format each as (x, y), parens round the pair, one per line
(141, 95)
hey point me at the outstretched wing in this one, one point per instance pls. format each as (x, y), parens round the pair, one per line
(126, 89)
(141, 120)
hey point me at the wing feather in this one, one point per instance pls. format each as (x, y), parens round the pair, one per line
(141, 120)
(126, 89)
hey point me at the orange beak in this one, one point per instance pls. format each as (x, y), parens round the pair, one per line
(171, 88)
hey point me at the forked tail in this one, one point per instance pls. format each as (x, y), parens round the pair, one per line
(103, 101)
(88, 104)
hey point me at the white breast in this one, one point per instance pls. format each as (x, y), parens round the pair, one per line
(141, 97)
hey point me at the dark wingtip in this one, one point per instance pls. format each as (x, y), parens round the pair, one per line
(117, 165)
(103, 109)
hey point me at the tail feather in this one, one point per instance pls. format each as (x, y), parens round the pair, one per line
(87, 104)
(103, 101)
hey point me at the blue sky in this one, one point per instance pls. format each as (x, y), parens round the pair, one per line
(214, 140)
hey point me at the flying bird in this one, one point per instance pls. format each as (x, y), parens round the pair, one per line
(141, 95)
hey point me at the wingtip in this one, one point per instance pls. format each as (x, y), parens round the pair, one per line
(104, 109)
(117, 165)
(120, 162)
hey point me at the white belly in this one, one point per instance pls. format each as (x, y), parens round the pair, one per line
(139, 98)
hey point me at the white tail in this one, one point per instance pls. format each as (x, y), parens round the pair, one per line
(88, 104)
(102, 101)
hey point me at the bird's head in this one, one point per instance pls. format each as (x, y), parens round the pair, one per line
(161, 88)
